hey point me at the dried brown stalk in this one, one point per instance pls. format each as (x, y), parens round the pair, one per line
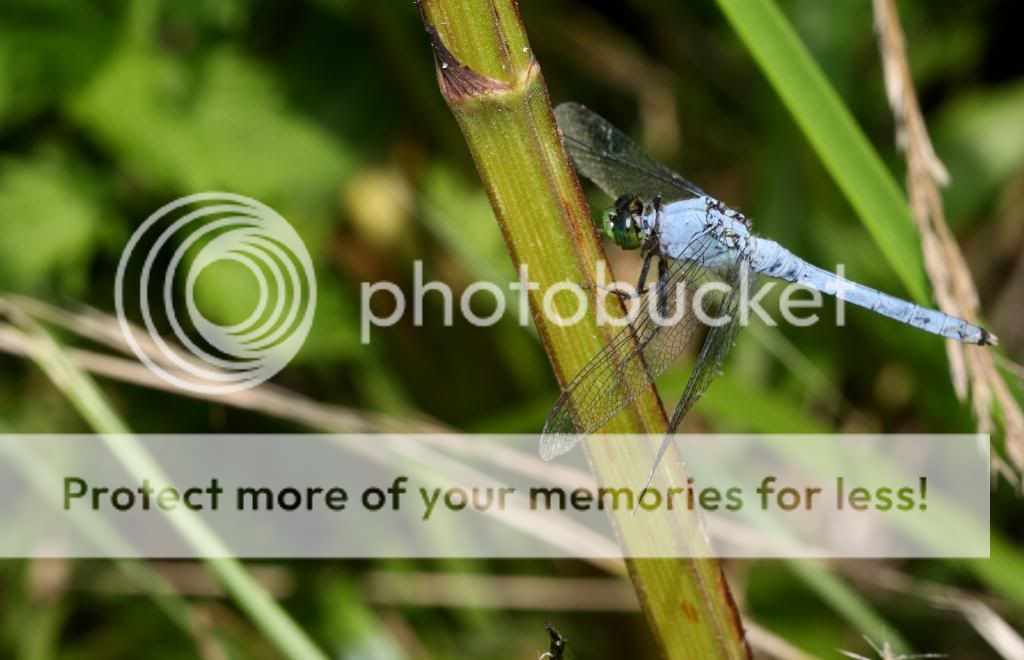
(972, 368)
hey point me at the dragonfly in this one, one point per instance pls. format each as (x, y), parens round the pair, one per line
(696, 241)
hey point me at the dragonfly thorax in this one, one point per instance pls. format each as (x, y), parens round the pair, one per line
(705, 229)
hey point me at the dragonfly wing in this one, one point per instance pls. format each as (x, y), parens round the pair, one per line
(632, 360)
(717, 344)
(617, 164)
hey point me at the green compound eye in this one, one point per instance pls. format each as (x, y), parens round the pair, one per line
(623, 224)
(628, 238)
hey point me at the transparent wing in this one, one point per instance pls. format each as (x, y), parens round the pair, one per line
(717, 344)
(635, 357)
(618, 166)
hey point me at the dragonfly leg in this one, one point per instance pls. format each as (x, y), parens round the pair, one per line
(662, 286)
(640, 290)
(663, 276)
(623, 295)
(641, 284)
(663, 299)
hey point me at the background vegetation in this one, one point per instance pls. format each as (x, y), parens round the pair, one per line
(328, 111)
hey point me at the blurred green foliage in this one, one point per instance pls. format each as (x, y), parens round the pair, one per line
(327, 110)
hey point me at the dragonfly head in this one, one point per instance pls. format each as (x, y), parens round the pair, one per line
(624, 222)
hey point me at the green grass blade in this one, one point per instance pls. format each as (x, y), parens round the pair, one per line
(843, 599)
(250, 596)
(834, 134)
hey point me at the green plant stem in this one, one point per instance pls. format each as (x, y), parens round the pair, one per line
(493, 85)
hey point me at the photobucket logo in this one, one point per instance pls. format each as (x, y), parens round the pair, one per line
(568, 303)
(201, 230)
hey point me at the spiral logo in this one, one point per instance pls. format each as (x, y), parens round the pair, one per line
(199, 231)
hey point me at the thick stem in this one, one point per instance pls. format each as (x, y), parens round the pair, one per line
(493, 85)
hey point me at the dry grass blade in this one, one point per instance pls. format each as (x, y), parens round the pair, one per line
(266, 398)
(1011, 366)
(555, 529)
(770, 645)
(996, 631)
(885, 652)
(188, 579)
(269, 399)
(972, 368)
(512, 592)
(979, 614)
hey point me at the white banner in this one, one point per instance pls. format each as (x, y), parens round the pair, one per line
(350, 496)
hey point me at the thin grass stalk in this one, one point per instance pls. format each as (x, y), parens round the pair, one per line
(493, 85)
(266, 614)
(151, 582)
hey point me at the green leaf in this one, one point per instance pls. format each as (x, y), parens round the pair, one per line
(834, 134)
(46, 49)
(980, 137)
(219, 124)
(48, 223)
(452, 211)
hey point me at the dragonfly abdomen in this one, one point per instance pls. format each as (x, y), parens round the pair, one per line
(773, 260)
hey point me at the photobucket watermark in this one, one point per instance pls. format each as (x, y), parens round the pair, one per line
(178, 244)
(662, 301)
